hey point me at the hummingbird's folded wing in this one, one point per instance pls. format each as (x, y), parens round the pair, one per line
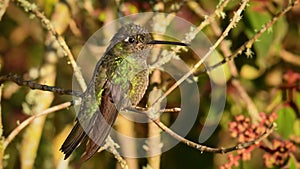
(103, 121)
(92, 124)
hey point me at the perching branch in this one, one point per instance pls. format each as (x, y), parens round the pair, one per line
(21, 82)
(202, 148)
(46, 23)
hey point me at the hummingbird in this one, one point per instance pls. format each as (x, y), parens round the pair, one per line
(119, 80)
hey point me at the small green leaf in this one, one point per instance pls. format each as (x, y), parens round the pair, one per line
(280, 31)
(257, 20)
(285, 121)
(250, 72)
(297, 100)
(292, 163)
(297, 127)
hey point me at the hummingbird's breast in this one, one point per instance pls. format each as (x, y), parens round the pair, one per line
(139, 84)
(128, 75)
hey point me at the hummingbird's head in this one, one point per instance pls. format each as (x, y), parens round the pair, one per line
(132, 38)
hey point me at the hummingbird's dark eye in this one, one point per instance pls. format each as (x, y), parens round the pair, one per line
(130, 39)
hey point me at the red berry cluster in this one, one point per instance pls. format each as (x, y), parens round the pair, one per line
(292, 78)
(242, 129)
(279, 153)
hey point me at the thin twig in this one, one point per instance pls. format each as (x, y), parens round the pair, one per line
(33, 9)
(253, 111)
(154, 143)
(251, 107)
(218, 12)
(249, 43)
(46, 23)
(113, 149)
(203, 148)
(236, 18)
(21, 82)
(166, 110)
(170, 110)
(246, 98)
(1, 125)
(1, 131)
(3, 6)
(192, 34)
(26, 122)
(290, 57)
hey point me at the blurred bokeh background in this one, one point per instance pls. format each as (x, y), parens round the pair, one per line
(271, 78)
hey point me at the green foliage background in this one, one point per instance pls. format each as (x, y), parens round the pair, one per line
(267, 76)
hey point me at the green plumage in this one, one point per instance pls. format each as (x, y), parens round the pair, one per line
(120, 80)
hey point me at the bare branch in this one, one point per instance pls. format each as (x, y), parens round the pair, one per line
(1, 132)
(202, 148)
(26, 122)
(290, 57)
(21, 82)
(236, 18)
(3, 6)
(249, 43)
(33, 9)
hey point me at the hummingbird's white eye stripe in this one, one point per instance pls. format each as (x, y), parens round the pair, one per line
(127, 39)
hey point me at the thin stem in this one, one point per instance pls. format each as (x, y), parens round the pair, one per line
(192, 34)
(3, 7)
(32, 8)
(21, 82)
(235, 19)
(207, 20)
(154, 143)
(290, 57)
(249, 43)
(166, 110)
(46, 23)
(221, 150)
(246, 98)
(203, 148)
(26, 122)
(1, 132)
(112, 146)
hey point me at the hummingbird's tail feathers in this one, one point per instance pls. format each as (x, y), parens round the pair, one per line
(102, 123)
(90, 149)
(73, 140)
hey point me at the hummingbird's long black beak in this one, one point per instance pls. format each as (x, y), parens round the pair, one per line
(168, 43)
